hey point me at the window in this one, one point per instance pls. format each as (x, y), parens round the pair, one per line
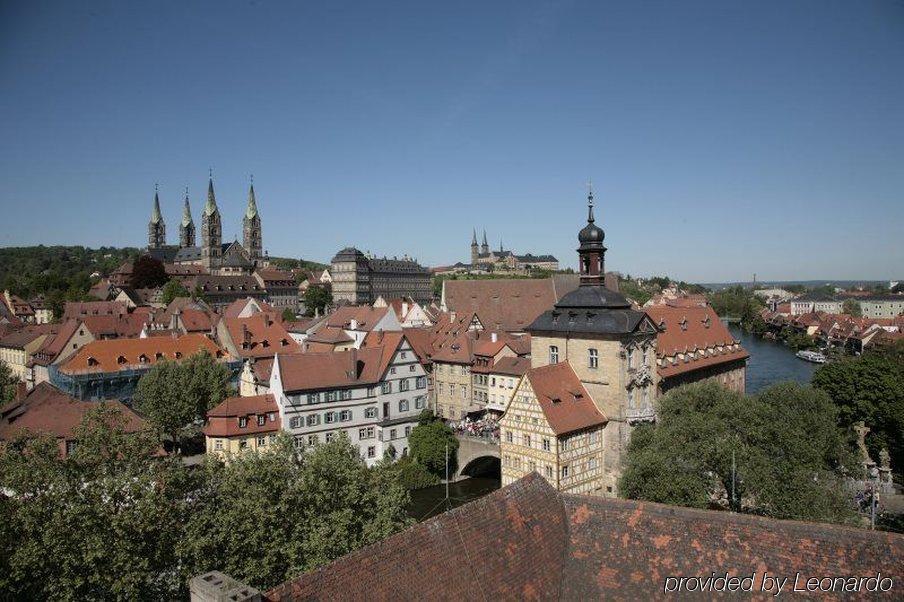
(243, 422)
(403, 384)
(630, 398)
(592, 464)
(371, 391)
(243, 444)
(565, 471)
(294, 422)
(403, 405)
(411, 368)
(387, 387)
(312, 440)
(531, 466)
(508, 436)
(345, 415)
(548, 471)
(312, 420)
(370, 412)
(261, 441)
(217, 445)
(553, 354)
(392, 370)
(392, 434)
(329, 417)
(371, 451)
(407, 430)
(525, 440)
(71, 445)
(593, 359)
(419, 403)
(366, 433)
(564, 444)
(331, 396)
(329, 436)
(630, 356)
(271, 416)
(313, 397)
(546, 446)
(463, 391)
(403, 355)
(594, 436)
(261, 420)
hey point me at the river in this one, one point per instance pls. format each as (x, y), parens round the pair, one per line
(769, 363)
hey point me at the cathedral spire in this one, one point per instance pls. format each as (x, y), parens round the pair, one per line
(590, 202)
(251, 211)
(211, 205)
(484, 237)
(186, 210)
(156, 217)
(474, 237)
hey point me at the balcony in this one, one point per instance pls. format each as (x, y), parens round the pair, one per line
(644, 413)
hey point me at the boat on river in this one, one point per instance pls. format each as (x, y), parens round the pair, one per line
(812, 356)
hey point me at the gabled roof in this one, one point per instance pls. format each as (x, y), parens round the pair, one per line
(505, 304)
(331, 370)
(222, 421)
(365, 316)
(510, 366)
(260, 336)
(565, 402)
(78, 309)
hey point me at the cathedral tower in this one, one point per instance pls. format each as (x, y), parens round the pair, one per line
(187, 227)
(474, 248)
(211, 230)
(484, 247)
(252, 238)
(156, 227)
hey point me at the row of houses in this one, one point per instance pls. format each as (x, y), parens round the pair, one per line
(853, 334)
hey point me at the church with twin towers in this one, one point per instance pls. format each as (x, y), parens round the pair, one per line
(213, 254)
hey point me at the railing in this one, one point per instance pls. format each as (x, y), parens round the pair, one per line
(489, 438)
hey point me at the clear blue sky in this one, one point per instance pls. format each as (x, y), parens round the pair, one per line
(723, 138)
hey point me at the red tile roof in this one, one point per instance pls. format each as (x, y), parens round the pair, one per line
(510, 366)
(564, 400)
(353, 367)
(78, 309)
(223, 420)
(46, 409)
(502, 304)
(113, 355)
(260, 336)
(366, 317)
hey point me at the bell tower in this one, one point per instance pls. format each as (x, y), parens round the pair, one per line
(156, 227)
(211, 230)
(591, 252)
(252, 237)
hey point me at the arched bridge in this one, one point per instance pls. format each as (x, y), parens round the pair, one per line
(477, 456)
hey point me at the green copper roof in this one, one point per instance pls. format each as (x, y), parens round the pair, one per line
(251, 211)
(156, 218)
(186, 211)
(211, 206)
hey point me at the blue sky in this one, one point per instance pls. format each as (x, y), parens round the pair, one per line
(724, 138)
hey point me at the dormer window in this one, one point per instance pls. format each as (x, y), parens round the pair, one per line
(143, 359)
(92, 361)
(121, 359)
(158, 356)
(178, 355)
(261, 420)
(243, 422)
(683, 323)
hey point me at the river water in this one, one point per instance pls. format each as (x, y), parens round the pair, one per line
(769, 363)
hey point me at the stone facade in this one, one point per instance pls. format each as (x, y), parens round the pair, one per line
(453, 390)
(359, 279)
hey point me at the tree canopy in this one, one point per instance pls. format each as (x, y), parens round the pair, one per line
(789, 454)
(173, 395)
(7, 383)
(870, 388)
(427, 443)
(851, 307)
(316, 299)
(147, 272)
(172, 289)
(113, 521)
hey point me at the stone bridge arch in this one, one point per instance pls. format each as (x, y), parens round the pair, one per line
(475, 454)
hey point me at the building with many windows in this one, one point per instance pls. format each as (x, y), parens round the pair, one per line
(239, 424)
(360, 279)
(373, 394)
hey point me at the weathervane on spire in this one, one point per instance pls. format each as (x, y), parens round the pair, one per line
(252, 179)
(210, 172)
(590, 200)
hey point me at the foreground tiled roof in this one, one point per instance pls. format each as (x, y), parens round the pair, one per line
(527, 541)
(260, 336)
(223, 420)
(564, 400)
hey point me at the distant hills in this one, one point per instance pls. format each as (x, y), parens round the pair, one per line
(806, 283)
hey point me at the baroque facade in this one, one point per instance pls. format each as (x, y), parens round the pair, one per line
(360, 279)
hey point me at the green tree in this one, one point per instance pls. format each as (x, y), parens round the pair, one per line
(851, 307)
(147, 272)
(428, 442)
(8, 383)
(288, 315)
(103, 524)
(265, 517)
(316, 299)
(173, 289)
(735, 302)
(870, 388)
(175, 396)
(790, 456)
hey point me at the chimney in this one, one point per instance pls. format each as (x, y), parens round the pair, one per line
(353, 325)
(353, 363)
(451, 316)
(494, 337)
